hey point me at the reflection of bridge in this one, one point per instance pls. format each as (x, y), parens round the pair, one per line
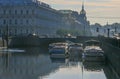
(25, 66)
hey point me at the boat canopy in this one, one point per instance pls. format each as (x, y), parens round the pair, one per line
(92, 43)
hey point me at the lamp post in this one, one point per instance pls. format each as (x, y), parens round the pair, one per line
(6, 34)
(108, 32)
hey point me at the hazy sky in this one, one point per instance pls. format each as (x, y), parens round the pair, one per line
(100, 11)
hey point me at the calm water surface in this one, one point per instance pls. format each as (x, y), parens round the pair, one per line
(35, 63)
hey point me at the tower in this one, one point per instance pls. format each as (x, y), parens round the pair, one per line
(83, 12)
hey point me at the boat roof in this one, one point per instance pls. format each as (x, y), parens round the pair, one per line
(58, 47)
(93, 47)
(77, 44)
(92, 41)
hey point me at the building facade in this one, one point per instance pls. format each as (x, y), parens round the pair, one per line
(108, 30)
(23, 17)
(78, 21)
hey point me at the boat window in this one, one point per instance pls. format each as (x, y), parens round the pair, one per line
(93, 43)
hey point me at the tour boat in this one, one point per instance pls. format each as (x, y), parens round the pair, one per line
(58, 51)
(92, 51)
(58, 44)
(76, 47)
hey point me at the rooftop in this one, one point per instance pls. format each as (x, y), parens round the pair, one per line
(23, 2)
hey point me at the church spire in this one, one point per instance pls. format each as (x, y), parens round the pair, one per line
(83, 12)
(83, 5)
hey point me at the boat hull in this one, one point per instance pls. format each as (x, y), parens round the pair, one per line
(58, 56)
(93, 58)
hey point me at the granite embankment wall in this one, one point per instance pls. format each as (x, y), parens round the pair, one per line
(111, 46)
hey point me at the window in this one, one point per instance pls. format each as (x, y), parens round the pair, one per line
(27, 12)
(0, 32)
(4, 21)
(10, 32)
(26, 31)
(9, 11)
(21, 11)
(15, 21)
(10, 21)
(33, 11)
(21, 21)
(15, 31)
(27, 21)
(4, 11)
(15, 11)
(21, 31)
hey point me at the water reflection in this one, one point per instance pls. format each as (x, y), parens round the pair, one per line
(93, 66)
(59, 60)
(35, 63)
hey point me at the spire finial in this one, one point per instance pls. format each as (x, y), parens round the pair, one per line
(83, 4)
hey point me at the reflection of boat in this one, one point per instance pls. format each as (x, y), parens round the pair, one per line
(92, 51)
(93, 66)
(59, 60)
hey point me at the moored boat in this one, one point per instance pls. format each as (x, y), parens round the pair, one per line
(58, 44)
(58, 52)
(76, 47)
(92, 51)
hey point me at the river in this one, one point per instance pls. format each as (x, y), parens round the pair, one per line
(36, 63)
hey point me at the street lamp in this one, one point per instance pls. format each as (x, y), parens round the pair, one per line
(108, 32)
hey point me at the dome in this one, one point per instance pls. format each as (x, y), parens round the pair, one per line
(83, 11)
